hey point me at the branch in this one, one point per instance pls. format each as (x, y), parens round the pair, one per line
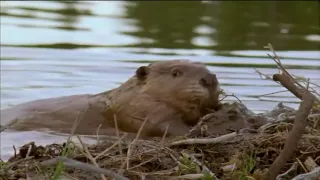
(292, 168)
(80, 165)
(216, 140)
(298, 129)
(286, 79)
(276, 59)
(286, 82)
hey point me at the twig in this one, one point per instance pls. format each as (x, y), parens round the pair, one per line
(132, 144)
(262, 75)
(73, 129)
(286, 79)
(287, 83)
(276, 59)
(196, 128)
(27, 163)
(313, 175)
(80, 165)
(203, 167)
(164, 134)
(176, 160)
(304, 168)
(93, 160)
(308, 83)
(216, 140)
(299, 125)
(98, 137)
(15, 151)
(29, 150)
(304, 79)
(188, 176)
(282, 118)
(108, 149)
(118, 136)
(142, 163)
(7, 167)
(300, 121)
(232, 95)
(292, 168)
(75, 124)
(273, 93)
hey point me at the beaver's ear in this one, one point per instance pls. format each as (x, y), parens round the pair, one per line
(142, 72)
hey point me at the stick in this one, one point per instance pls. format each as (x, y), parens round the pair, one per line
(98, 137)
(203, 167)
(286, 82)
(298, 129)
(127, 161)
(119, 142)
(10, 165)
(109, 148)
(188, 176)
(285, 78)
(93, 160)
(216, 140)
(292, 168)
(276, 59)
(80, 165)
(197, 127)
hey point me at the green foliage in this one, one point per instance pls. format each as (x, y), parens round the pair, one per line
(207, 176)
(248, 165)
(187, 166)
(67, 150)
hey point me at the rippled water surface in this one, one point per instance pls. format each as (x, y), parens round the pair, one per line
(51, 49)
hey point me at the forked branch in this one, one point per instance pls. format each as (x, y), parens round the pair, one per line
(301, 118)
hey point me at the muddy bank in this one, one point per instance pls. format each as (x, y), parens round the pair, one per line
(241, 154)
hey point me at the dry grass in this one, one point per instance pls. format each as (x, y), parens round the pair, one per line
(251, 153)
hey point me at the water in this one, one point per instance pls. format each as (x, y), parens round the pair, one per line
(51, 49)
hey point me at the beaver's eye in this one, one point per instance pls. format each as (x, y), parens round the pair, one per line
(176, 73)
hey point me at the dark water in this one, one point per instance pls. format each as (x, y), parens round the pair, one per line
(51, 49)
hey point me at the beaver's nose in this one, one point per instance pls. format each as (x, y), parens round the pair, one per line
(209, 80)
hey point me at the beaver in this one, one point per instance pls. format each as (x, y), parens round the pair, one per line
(170, 96)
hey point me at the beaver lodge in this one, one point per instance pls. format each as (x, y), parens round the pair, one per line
(283, 143)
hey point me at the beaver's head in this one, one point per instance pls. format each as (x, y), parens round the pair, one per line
(180, 82)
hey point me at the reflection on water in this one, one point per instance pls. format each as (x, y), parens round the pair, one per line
(224, 25)
(55, 48)
(208, 25)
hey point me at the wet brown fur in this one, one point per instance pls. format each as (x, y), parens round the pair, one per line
(166, 101)
(168, 93)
